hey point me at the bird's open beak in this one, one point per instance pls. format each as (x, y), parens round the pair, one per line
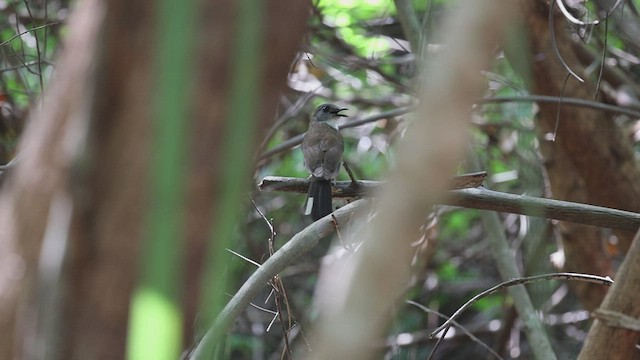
(338, 112)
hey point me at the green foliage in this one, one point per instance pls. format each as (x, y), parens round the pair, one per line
(240, 347)
(456, 224)
(448, 271)
(489, 303)
(348, 17)
(356, 56)
(27, 46)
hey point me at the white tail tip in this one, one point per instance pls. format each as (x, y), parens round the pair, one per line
(307, 210)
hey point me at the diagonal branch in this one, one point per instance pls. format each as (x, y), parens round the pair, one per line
(301, 243)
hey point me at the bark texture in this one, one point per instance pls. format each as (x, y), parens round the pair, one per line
(86, 155)
(590, 161)
(608, 340)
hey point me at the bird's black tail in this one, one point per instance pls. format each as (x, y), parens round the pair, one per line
(318, 203)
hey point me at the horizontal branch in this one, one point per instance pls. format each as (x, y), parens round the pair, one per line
(565, 101)
(470, 196)
(484, 199)
(296, 140)
(347, 189)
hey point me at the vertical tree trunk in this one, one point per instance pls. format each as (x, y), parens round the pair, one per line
(81, 186)
(610, 339)
(589, 156)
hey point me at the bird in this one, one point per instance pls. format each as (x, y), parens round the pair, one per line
(322, 147)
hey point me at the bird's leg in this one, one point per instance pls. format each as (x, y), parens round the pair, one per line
(334, 221)
(354, 182)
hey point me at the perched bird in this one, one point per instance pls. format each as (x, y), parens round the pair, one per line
(322, 147)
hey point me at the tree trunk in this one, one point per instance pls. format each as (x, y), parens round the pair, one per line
(609, 339)
(81, 185)
(590, 161)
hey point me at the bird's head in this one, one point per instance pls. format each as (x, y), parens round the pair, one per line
(327, 112)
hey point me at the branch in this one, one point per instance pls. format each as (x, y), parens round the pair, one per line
(565, 101)
(522, 281)
(296, 140)
(617, 319)
(458, 325)
(409, 22)
(346, 189)
(613, 336)
(299, 244)
(483, 199)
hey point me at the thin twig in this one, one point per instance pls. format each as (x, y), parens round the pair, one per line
(280, 292)
(409, 22)
(243, 257)
(296, 140)
(39, 55)
(458, 325)
(522, 281)
(572, 18)
(555, 128)
(554, 44)
(28, 31)
(22, 65)
(604, 56)
(10, 164)
(565, 101)
(354, 182)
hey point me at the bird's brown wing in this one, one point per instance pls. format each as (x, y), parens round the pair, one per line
(333, 154)
(313, 152)
(322, 147)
